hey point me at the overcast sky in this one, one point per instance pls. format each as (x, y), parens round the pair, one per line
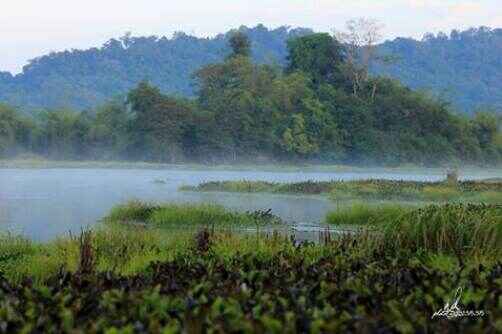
(30, 28)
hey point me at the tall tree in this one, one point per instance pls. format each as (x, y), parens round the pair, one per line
(317, 55)
(360, 40)
(240, 44)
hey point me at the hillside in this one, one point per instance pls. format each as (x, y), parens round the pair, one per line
(465, 67)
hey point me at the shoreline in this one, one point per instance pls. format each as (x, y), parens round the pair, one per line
(319, 168)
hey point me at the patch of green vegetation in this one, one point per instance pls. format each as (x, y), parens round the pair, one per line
(242, 186)
(459, 229)
(130, 278)
(135, 280)
(473, 191)
(474, 229)
(365, 214)
(187, 215)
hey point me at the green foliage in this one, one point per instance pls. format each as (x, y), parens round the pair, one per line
(460, 229)
(132, 211)
(317, 55)
(475, 191)
(364, 214)
(17, 133)
(254, 284)
(240, 44)
(464, 67)
(252, 112)
(85, 79)
(186, 215)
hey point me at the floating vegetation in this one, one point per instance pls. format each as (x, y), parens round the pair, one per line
(444, 191)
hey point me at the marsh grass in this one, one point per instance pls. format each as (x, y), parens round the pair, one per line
(244, 186)
(364, 214)
(391, 190)
(132, 211)
(173, 215)
(442, 236)
(459, 229)
(189, 215)
(126, 251)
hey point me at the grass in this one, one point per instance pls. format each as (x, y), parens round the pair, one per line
(187, 215)
(465, 231)
(244, 186)
(473, 191)
(363, 214)
(459, 229)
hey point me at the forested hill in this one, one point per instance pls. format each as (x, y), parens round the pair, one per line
(465, 67)
(86, 78)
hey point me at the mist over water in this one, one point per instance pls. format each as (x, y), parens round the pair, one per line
(42, 204)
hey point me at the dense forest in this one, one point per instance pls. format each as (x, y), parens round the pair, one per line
(465, 68)
(322, 106)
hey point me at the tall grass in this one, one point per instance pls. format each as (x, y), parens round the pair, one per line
(364, 214)
(132, 211)
(436, 233)
(460, 229)
(187, 215)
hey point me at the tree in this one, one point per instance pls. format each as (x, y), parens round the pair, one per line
(61, 138)
(110, 133)
(318, 55)
(360, 40)
(240, 44)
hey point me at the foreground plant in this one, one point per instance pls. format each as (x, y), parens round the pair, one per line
(302, 288)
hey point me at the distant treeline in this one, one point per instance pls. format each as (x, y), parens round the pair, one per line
(322, 107)
(464, 67)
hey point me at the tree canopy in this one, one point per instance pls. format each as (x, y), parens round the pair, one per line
(465, 68)
(246, 111)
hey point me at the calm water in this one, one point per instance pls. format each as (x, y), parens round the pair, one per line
(42, 204)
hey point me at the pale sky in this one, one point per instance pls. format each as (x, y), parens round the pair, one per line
(30, 28)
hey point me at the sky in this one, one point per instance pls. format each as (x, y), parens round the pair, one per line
(31, 28)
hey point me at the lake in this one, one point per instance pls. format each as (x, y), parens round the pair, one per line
(42, 204)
